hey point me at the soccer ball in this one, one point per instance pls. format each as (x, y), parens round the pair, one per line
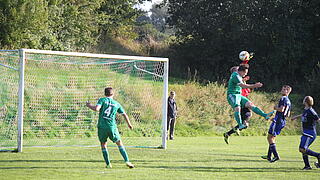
(244, 56)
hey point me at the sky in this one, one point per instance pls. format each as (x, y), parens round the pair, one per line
(147, 5)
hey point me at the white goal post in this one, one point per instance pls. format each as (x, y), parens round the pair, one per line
(53, 86)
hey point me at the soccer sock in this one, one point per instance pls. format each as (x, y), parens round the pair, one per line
(105, 155)
(259, 111)
(232, 130)
(312, 153)
(123, 153)
(269, 152)
(274, 150)
(306, 160)
(238, 118)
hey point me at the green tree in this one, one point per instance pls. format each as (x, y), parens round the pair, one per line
(73, 24)
(119, 17)
(284, 34)
(63, 24)
(22, 23)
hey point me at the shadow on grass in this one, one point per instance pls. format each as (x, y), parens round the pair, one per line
(144, 164)
(42, 167)
(232, 169)
(215, 160)
(47, 161)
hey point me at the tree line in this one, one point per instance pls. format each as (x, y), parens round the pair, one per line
(63, 24)
(283, 34)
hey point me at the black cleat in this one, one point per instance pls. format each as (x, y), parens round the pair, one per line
(307, 168)
(266, 157)
(317, 164)
(274, 159)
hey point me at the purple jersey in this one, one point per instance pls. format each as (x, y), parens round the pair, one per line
(309, 118)
(284, 101)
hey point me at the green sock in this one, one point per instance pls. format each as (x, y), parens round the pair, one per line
(259, 111)
(238, 118)
(105, 155)
(124, 154)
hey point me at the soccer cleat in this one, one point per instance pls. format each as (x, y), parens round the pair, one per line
(266, 157)
(129, 164)
(274, 159)
(226, 138)
(269, 115)
(109, 166)
(307, 168)
(317, 164)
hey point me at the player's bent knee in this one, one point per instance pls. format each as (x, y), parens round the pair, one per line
(302, 150)
(237, 109)
(119, 143)
(250, 105)
(271, 138)
(103, 144)
(249, 115)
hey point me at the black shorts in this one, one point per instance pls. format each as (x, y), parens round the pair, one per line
(245, 114)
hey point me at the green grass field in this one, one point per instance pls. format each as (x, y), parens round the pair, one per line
(185, 158)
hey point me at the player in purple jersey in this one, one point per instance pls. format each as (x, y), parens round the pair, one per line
(309, 117)
(278, 122)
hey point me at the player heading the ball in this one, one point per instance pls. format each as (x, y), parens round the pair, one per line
(236, 100)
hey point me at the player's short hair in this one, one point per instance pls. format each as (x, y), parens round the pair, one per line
(108, 91)
(309, 100)
(243, 67)
(234, 69)
(172, 92)
(288, 87)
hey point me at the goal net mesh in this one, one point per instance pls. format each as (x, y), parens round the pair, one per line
(55, 94)
(9, 85)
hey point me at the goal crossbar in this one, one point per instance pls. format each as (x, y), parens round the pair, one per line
(91, 55)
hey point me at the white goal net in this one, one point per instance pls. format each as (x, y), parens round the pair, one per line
(54, 87)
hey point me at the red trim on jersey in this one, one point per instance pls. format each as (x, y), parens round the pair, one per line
(245, 62)
(245, 92)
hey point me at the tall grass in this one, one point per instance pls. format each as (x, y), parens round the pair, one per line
(204, 110)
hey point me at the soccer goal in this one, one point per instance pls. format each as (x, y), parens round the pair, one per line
(43, 96)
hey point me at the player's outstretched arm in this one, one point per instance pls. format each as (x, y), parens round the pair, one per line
(127, 120)
(279, 108)
(296, 117)
(92, 107)
(251, 86)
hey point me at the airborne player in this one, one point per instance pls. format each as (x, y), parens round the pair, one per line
(234, 97)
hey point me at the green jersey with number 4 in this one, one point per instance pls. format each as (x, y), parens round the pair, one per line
(108, 111)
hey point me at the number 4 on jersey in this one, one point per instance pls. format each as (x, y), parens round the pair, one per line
(107, 112)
